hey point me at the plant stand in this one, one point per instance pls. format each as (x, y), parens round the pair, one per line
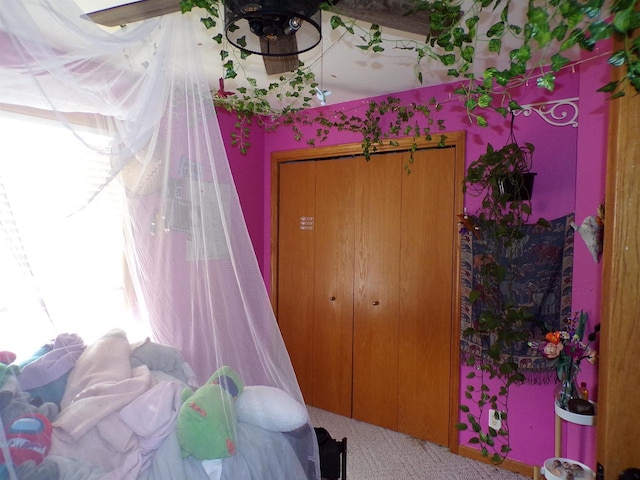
(561, 416)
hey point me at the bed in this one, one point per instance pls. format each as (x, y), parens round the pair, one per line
(112, 410)
(150, 232)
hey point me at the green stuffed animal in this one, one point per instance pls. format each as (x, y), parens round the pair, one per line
(207, 421)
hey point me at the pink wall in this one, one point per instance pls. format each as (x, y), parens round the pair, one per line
(249, 172)
(570, 164)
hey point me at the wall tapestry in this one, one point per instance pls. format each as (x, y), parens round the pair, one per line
(544, 262)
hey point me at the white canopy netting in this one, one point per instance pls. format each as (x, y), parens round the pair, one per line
(125, 406)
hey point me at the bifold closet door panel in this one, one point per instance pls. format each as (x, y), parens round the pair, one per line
(333, 295)
(426, 299)
(376, 290)
(295, 266)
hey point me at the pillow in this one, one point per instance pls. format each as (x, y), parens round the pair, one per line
(270, 408)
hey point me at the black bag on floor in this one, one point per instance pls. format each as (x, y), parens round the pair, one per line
(332, 455)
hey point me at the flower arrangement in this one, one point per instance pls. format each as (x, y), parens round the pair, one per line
(567, 348)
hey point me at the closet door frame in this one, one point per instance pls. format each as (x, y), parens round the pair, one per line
(452, 139)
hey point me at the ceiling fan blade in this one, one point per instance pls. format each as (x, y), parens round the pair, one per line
(134, 12)
(275, 55)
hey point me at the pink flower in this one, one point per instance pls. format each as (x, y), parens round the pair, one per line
(552, 350)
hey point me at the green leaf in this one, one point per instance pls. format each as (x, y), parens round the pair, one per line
(467, 53)
(447, 59)
(461, 426)
(504, 15)
(622, 21)
(484, 100)
(208, 22)
(560, 31)
(482, 122)
(336, 22)
(618, 58)
(558, 61)
(495, 44)
(474, 295)
(516, 29)
(472, 21)
(496, 30)
(547, 81)
(537, 16)
(522, 54)
(506, 367)
(600, 30)
(574, 37)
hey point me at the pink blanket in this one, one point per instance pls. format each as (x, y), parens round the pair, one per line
(103, 409)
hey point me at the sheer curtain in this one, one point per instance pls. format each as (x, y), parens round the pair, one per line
(62, 260)
(194, 276)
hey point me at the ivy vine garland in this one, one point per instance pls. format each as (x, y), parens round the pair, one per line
(551, 29)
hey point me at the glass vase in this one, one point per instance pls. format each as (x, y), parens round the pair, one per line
(568, 388)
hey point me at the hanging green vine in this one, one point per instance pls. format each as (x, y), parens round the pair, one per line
(550, 30)
(502, 323)
(400, 121)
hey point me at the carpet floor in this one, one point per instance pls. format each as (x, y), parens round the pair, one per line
(375, 453)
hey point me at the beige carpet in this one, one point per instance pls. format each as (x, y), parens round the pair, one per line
(376, 453)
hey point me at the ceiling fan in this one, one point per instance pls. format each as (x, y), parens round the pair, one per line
(276, 29)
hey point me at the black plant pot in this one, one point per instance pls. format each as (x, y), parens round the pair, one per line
(516, 187)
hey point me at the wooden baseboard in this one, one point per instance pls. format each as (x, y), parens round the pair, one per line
(511, 465)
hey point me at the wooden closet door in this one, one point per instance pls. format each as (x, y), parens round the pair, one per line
(426, 295)
(376, 283)
(333, 294)
(295, 267)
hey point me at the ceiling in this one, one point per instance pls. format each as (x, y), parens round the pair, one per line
(340, 67)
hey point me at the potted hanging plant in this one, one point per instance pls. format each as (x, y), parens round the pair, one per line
(499, 177)
(504, 179)
(505, 173)
(517, 183)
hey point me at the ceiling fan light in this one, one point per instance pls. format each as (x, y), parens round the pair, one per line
(293, 26)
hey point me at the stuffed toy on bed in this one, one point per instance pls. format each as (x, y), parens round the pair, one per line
(207, 423)
(27, 427)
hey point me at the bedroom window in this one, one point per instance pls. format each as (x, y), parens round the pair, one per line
(62, 261)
